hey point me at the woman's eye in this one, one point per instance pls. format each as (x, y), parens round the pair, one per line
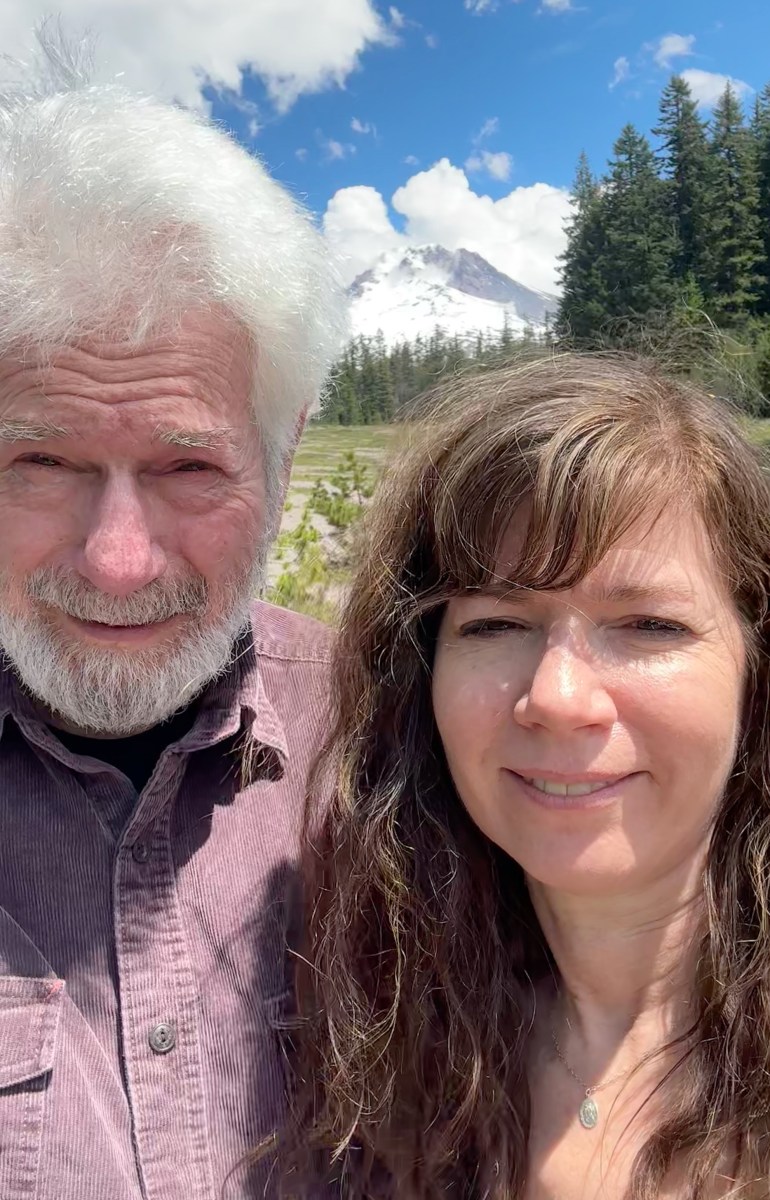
(657, 627)
(489, 626)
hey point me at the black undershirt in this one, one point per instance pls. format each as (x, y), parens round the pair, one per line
(137, 755)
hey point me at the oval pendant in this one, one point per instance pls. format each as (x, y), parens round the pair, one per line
(588, 1113)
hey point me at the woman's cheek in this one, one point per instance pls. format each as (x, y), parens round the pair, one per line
(471, 698)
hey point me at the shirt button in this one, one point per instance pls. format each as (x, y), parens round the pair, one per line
(140, 851)
(162, 1038)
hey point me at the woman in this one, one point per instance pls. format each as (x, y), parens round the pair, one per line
(540, 939)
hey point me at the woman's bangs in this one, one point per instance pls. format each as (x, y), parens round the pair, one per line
(571, 515)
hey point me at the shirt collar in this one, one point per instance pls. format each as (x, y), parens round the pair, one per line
(235, 704)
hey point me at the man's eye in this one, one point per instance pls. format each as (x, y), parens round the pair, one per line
(41, 460)
(191, 467)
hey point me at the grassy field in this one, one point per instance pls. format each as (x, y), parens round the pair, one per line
(760, 432)
(320, 451)
(323, 446)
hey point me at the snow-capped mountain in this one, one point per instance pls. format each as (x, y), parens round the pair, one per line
(407, 293)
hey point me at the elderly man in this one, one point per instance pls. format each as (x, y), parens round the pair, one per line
(167, 318)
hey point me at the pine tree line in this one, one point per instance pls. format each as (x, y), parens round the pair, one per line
(674, 239)
(373, 383)
(668, 251)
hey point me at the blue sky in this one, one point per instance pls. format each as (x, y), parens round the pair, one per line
(457, 121)
(542, 76)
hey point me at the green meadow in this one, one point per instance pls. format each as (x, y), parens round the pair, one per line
(320, 453)
(309, 565)
(760, 432)
(323, 446)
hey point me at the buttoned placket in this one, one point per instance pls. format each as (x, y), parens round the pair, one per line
(158, 1033)
(158, 1001)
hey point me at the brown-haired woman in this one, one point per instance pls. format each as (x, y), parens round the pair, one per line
(540, 944)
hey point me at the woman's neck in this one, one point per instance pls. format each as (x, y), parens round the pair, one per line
(626, 963)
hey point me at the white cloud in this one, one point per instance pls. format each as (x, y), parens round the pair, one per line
(673, 45)
(480, 6)
(521, 233)
(235, 100)
(498, 166)
(397, 19)
(412, 160)
(254, 128)
(490, 127)
(361, 126)
(557, 5)
(359, 230)
(707, 87)
(335, 150)
(301, 154)
(622, 70)
(174, 48)
(431, 41)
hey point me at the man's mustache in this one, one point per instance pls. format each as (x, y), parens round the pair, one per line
(158, 601)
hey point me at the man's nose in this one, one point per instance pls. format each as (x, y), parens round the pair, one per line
(119, 555)
(567, 692)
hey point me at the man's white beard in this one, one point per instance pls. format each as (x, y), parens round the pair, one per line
(114, 691)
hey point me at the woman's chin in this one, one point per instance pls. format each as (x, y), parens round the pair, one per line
(607, 863)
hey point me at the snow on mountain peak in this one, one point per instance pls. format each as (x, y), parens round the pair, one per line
(411, 291)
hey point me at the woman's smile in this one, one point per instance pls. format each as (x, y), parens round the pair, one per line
(575, 792)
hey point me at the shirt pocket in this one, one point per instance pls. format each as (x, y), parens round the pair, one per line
(29, 1020)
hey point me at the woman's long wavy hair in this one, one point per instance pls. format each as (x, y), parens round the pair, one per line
(423, 944)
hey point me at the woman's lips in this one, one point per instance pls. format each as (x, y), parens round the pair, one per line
(554, 791)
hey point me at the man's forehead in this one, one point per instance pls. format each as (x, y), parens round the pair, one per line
(189, 408)
(202, 374)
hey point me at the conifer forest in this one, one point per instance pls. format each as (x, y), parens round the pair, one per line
(668, 253)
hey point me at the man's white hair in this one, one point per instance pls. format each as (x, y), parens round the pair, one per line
(118, 213)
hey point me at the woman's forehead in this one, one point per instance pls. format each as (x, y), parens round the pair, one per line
(669, 551)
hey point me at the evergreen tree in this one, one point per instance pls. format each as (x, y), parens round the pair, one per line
(686, 167)
(761, 136)
(737, 282)
(348, 408)
(583, 308)
(404, 375)
(636, 267)
(382, 385)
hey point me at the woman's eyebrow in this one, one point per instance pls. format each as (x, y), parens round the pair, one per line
(625, 593)
(619, 593)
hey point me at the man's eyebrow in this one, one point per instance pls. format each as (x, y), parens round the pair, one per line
(196, 439)
(30, 431)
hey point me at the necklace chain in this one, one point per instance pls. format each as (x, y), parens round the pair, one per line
(596, 1087)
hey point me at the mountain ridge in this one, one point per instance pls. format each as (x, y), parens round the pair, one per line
(411, 291)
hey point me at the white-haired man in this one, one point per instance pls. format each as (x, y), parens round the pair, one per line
(167, 317)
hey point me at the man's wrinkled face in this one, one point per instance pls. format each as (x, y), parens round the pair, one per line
(133, 497)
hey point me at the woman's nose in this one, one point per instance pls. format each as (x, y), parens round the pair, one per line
(119, 555)
(566, 692)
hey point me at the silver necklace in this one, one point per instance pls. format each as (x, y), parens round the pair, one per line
(588, 1113)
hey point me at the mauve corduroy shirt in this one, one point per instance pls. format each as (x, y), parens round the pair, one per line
(143, 969)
